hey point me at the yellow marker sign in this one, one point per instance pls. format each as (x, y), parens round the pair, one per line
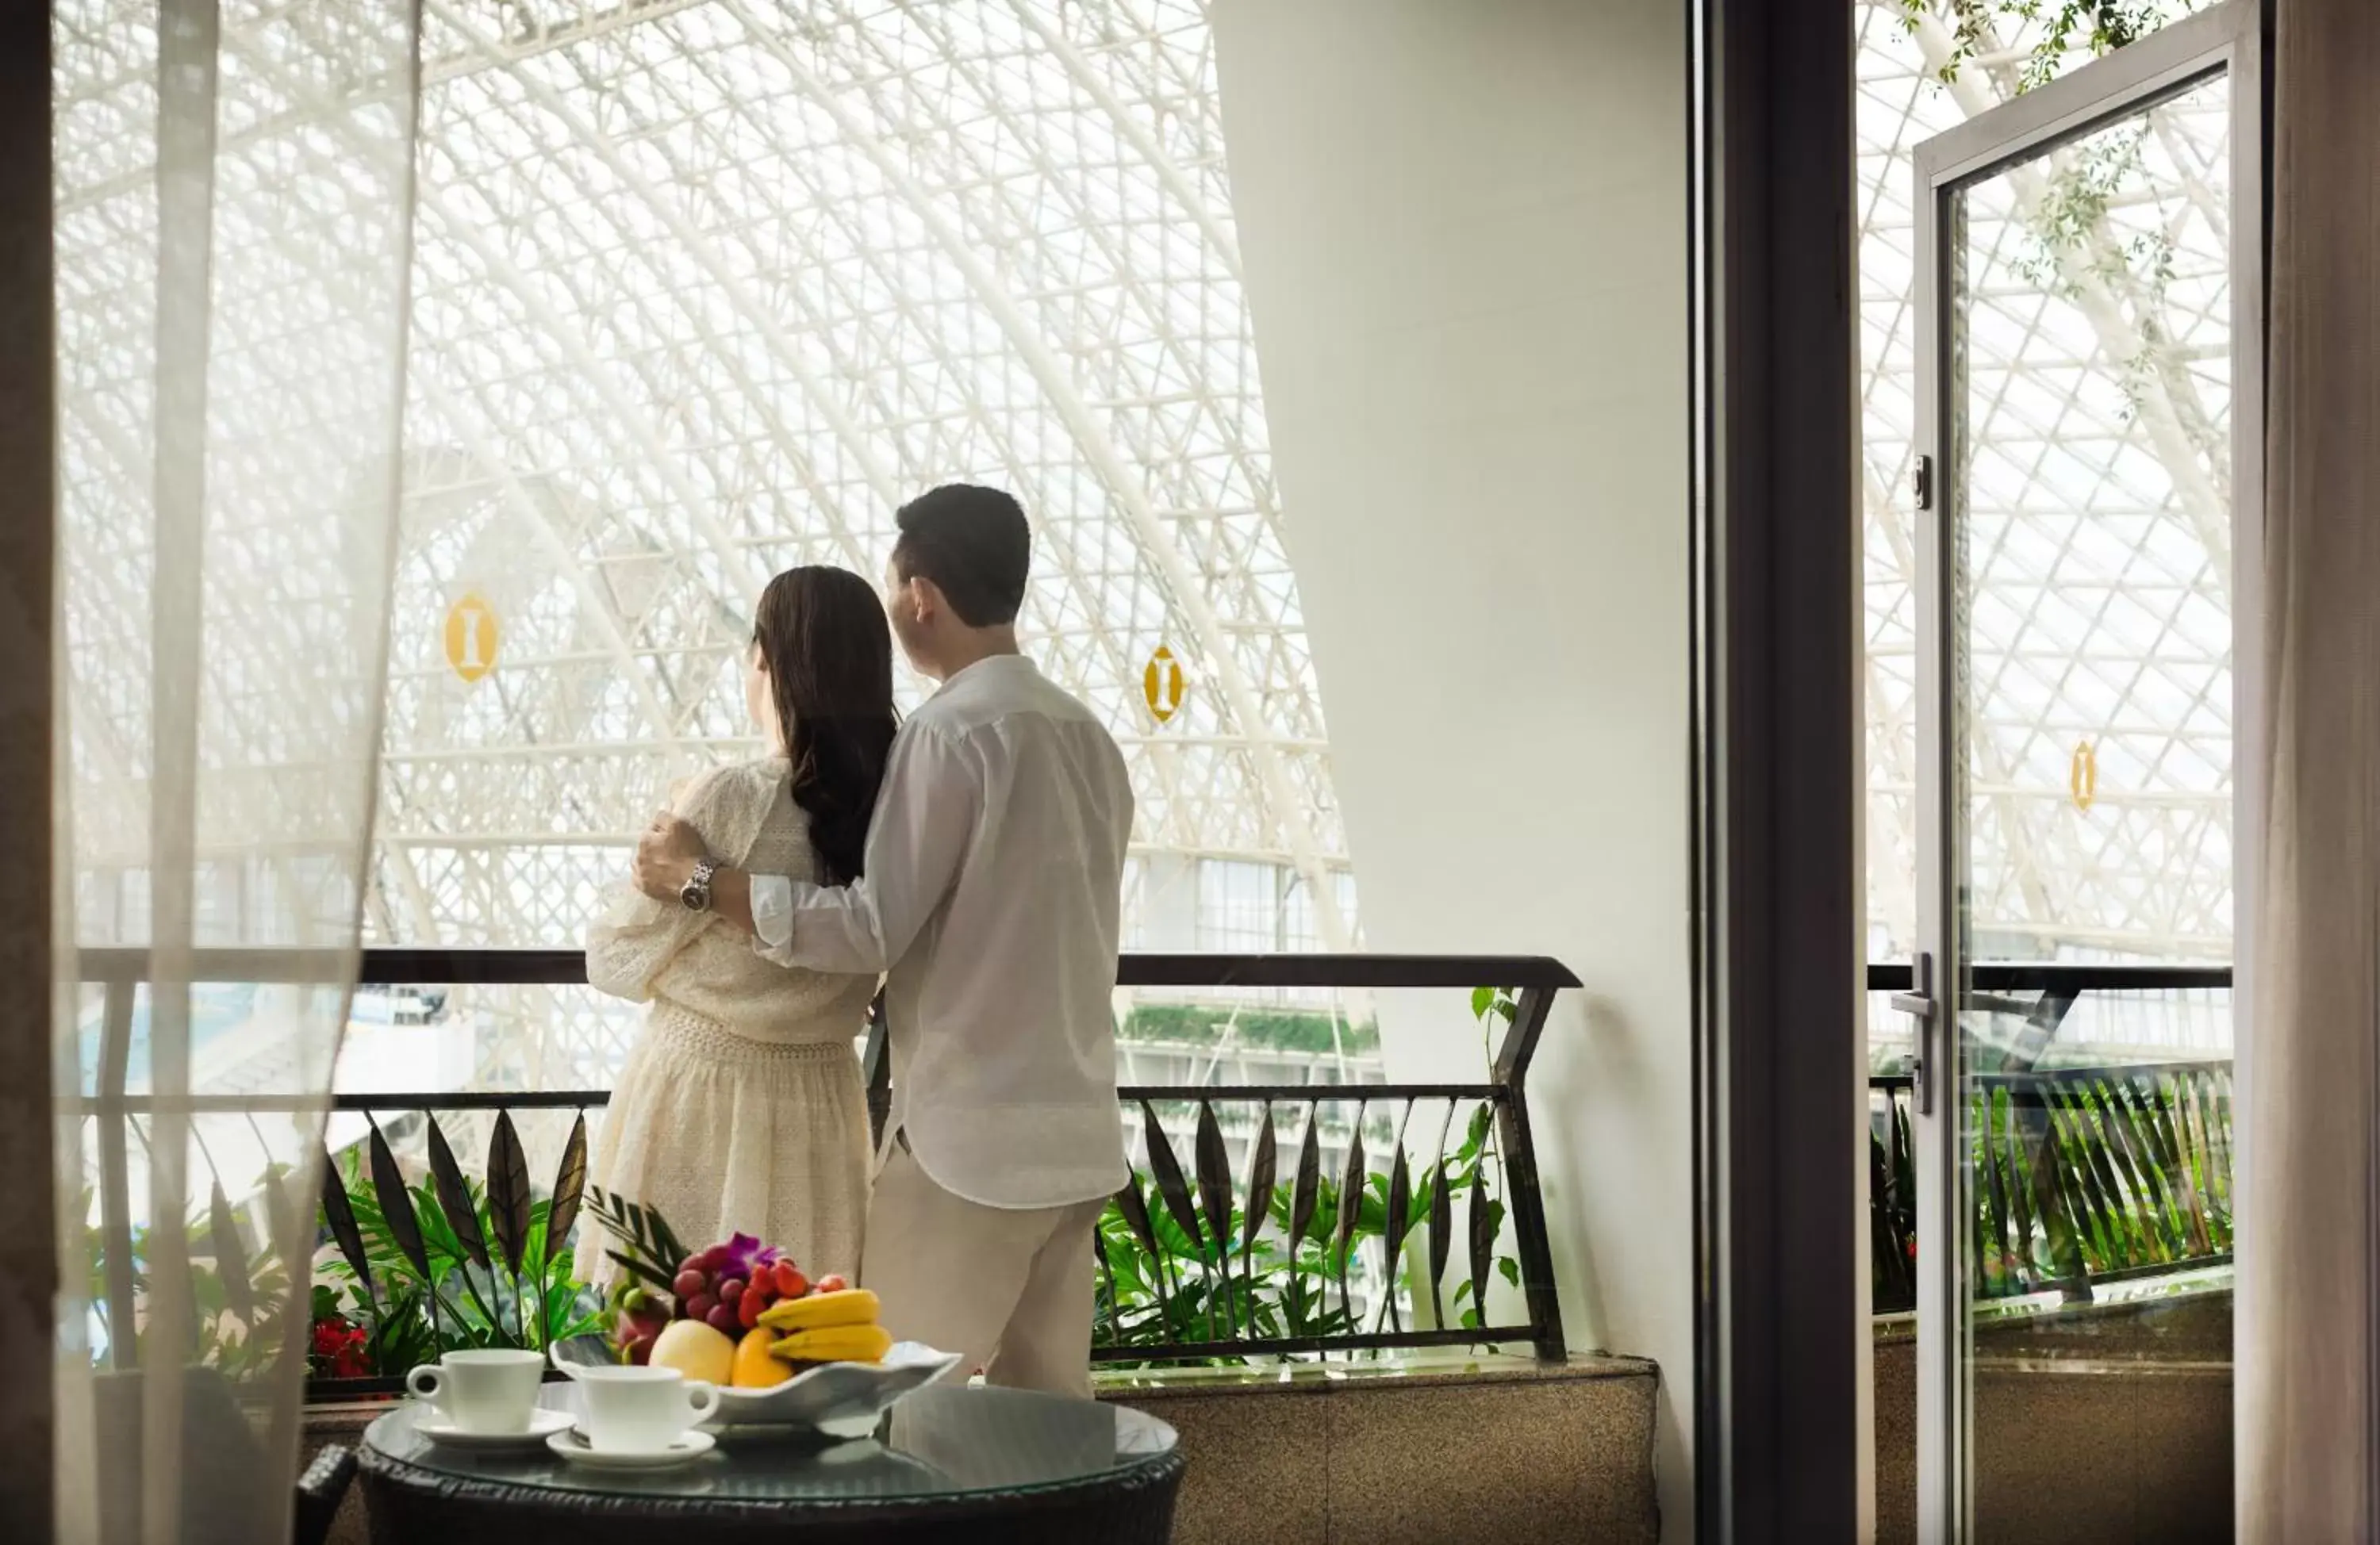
(2084, 777)
(1161, 684)
(472, 637)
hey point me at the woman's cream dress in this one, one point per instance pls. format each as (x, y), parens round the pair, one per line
(740, 1109)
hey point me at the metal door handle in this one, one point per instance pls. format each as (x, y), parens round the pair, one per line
(1920, 1004)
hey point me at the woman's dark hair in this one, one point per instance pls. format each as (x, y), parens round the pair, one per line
(828, 651)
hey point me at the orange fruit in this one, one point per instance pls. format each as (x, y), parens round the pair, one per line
(756, 1366)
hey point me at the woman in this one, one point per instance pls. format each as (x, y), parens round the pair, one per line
(740, 1109)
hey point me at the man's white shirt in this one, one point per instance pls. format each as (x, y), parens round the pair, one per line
(991, 900)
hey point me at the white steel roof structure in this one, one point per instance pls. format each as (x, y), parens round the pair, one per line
(705, 288)
(703, 291)
(2098, 550)
(706, 291)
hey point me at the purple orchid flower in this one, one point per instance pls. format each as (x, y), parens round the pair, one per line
(746, 1256)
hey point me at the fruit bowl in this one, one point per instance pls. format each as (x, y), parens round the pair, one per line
(742, 1316)
(837, 1399)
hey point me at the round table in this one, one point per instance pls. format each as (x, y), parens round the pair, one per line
(947, 1463)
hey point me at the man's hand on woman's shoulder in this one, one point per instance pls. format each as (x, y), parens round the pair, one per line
(666, 855)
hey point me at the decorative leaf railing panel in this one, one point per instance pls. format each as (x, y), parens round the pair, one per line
(409, 1266)
(1370, 1236)
(1345, 1254)
(431, 1234)
(2081, 1175)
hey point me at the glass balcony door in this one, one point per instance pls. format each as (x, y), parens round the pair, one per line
(2088, 429)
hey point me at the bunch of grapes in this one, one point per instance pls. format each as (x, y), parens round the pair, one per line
(638, 1314)
(710, 1287)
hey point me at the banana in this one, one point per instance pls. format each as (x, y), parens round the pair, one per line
(836, 1344)
(853, 1306)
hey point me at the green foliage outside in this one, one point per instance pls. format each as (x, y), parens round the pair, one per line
(411, 1315)
(2076, 1175)
(1168, 1274)
(235, 1325)
(2071, 31)
(1271, 1030)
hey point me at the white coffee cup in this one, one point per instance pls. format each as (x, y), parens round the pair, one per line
(492, 1391)
(641, 1410)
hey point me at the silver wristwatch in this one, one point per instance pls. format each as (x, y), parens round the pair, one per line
(695, 892)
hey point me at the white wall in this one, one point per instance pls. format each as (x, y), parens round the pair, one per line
(1463, 229)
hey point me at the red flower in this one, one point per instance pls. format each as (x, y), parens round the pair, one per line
(339, 1349)
(350, 1362)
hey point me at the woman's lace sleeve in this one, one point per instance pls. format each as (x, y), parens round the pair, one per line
(638, 935)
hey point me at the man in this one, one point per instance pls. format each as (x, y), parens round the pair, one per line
(991, 898)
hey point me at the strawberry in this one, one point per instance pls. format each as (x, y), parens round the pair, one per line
(791, 1284)
(747, 1310)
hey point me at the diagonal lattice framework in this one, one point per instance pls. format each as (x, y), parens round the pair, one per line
(297, 339)
(2098, 609)
(705, 289)
(705, 292)
(701, 291)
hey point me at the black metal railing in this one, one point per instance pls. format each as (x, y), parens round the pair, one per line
(1306, 1219)
(2081, 1176)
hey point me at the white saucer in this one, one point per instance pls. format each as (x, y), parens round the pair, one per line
(543, 1423)
(573, 1445)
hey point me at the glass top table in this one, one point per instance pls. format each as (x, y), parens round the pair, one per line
(947, 1462)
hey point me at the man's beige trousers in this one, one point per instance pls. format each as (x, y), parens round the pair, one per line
(1011, 1290)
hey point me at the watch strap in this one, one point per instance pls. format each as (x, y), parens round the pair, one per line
(697, 892)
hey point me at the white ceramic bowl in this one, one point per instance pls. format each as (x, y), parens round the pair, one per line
(838, 1399)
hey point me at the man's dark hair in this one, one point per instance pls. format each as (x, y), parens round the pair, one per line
(974, 544)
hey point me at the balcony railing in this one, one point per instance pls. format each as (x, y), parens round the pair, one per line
(2083, 1176)
(1262, 1220)
(1322, 1218)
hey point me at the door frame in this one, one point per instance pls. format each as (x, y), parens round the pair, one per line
(1781, 1376)
(2225, 40)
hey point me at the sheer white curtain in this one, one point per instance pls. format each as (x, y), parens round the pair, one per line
(233, 198)
(2308, 1363)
